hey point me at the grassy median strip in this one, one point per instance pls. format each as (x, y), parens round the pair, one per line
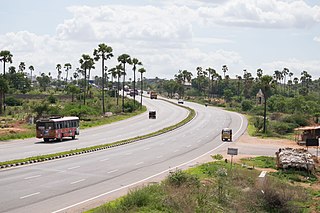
(41, 158)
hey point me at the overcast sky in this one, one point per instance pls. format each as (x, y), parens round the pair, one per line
(167, 36)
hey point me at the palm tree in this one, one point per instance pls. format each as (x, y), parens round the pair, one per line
(259, 73)
(3, 89)
(67, 66)
(141, 70)
(104, 52)
(86, 64)
(22, 67)
(135, 62)
(212, 73)
(123, 59)
(224, 69)
(58, 67)
(5, 57)
(285, 72)
(266, 82)
(31, 68)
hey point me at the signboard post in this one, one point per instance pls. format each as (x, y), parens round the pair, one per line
(232, 152)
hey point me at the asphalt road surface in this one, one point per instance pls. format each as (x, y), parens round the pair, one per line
(69, 184)
(167, 115)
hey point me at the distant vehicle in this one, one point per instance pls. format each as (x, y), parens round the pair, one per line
(226, 134)
(56, 128)
(152, 114)
(133, 92)
(153, 95)
(180, 101)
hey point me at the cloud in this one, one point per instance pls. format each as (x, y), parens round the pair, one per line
(317, 38)
(262, 13)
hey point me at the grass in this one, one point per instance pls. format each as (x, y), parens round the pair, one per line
(261, 162)
(214, 187)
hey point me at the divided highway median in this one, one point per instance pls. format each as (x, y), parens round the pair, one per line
(40, 158)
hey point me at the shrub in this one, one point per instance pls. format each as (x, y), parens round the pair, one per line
(11, 101)
(179, 178)
(298, 119)
(246, 105)
(257, 122)
(52, 99)
(282, 127)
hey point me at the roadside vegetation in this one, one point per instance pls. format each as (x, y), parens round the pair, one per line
(216, 187)
(275, 105)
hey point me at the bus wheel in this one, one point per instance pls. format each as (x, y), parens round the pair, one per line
(73, 137)
(46, 139)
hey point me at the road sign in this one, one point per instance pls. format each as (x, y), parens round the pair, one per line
(232, 151)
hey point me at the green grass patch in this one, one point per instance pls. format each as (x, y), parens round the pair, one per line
(261, 162)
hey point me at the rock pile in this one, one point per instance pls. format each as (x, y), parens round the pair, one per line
(295, 158)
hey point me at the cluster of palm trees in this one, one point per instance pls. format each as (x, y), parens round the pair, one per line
(104, 53)
(87, 64)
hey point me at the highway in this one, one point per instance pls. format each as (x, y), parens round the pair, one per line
(167, 115)
(73, 183)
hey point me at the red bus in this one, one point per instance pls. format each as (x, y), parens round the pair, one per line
(57, 128)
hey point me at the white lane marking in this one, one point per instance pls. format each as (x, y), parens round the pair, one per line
(262, 174)
(147, 178)
(139, 163)
(135, 183)
(113, 171)
(188, 146)
(75, 167)
(35, 176)
(104, 159)
(29, 195)
(78, 181)
(160, 156)
(146, 148)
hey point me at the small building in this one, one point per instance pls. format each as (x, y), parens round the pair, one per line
(260, 98)
(306, 132)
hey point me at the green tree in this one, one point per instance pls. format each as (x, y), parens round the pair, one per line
(266, 82)
(43, 81)
(3, 89)
(67, 66)
(5, 57)
(141, 71)
(124, 59)
(31, 68)
(103, 52)
(72, 89)
(22, 67)
(86, 64)
(135, 62)
(224, 70)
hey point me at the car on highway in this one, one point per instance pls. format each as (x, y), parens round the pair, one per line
(226, 134)
(180, 101)
(152, 114)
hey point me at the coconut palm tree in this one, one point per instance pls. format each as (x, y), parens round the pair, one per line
(5, 57)
(67, 66)
(22, 67)
(224, 69)
(31, 68)
(103, 52)
(212, 73)
(265, 83)
(3, 89)
(135, 62)
(86, 64)
(141, 70)
(285, 72)
(123, 59)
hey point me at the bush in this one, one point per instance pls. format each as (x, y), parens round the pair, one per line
(298, 119)
(282, 128)
(179, 178)
(246, 105)
(52, 99)
(131, 105)
(11, 101)
(257, 122)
